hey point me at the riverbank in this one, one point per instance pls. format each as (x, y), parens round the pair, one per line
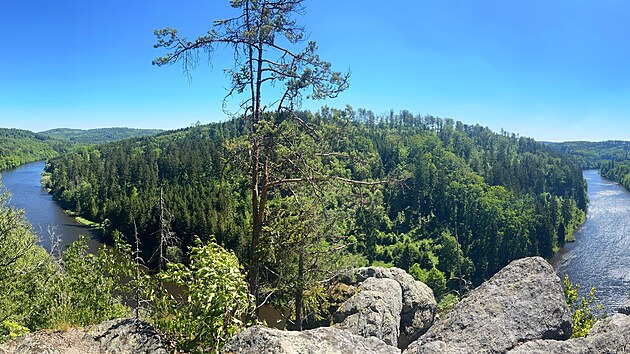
(83, 221)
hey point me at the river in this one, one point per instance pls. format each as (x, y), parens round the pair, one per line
(600, 256)
(41, 211)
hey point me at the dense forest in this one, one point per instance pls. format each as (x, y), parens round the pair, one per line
(98, 136)
(618, 171)
(593, 153)
(451, 203)
(18, 147)
(612, 158)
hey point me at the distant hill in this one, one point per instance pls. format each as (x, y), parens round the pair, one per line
(593, 153)
(98, 136)
(18, 147)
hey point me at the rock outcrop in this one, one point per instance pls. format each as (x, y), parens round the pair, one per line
(374, 311)
(324, 340)
(126, 336)
(121, 336)
(522, 302)
(418, 304)
(625, 309)
(519, 310)
(609, 335)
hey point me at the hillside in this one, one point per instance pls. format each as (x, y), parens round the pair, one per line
(612, 157)
(457, 201)
(18, 147)
(98, 136)
(593, 153)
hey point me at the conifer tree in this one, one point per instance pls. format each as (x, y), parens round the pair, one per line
(264, 39)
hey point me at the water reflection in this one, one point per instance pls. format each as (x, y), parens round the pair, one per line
(600, 257)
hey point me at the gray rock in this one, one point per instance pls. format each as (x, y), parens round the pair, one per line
(325, 340)
(522, 302)
(625, 309)
(129, 335)
(374, 311)
(51, 342)
(610, 335)
(121, 336)
(540, 346)
(419, 305)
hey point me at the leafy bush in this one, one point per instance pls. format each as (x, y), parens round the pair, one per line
(38, 291)
(11, 329)
(213, 303)
(584, 309)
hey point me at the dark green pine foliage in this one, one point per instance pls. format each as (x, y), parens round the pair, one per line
(460, 202)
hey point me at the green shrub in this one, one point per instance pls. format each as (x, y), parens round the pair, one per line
(213, 303)
(584, 309)
(11, 329)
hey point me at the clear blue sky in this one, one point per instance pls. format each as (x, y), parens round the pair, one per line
(553, 70)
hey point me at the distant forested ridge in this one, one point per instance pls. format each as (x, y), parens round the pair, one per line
(18, 147)
(460, 201)
(618, 171)
(593, 153)
(98, 136)
(612, 157)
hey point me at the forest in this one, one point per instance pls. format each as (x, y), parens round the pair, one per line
(618, 171)
(450, 203)
(593, 154)
(99, 135)
(18, 147)
(611, 158)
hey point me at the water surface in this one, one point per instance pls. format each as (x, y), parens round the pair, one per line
(600, 257)
(41, 211)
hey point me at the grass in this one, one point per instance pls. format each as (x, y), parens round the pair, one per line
(86, 222)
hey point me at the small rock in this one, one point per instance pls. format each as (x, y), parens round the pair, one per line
(374, 311)
(51, 342)
(324, 340)
(128, 335)
(522, 302)
(540, 346)
(625, 309)
(120, 336)
(609, 335)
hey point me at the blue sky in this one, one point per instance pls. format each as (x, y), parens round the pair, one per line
(553, 70)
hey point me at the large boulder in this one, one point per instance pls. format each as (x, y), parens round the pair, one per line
(610, 335)
(325, 340)
(121, 336)
(374, 311)
(522, 302)
(419, 305)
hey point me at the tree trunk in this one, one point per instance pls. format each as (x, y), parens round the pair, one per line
(256, 224)
(299, 292)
